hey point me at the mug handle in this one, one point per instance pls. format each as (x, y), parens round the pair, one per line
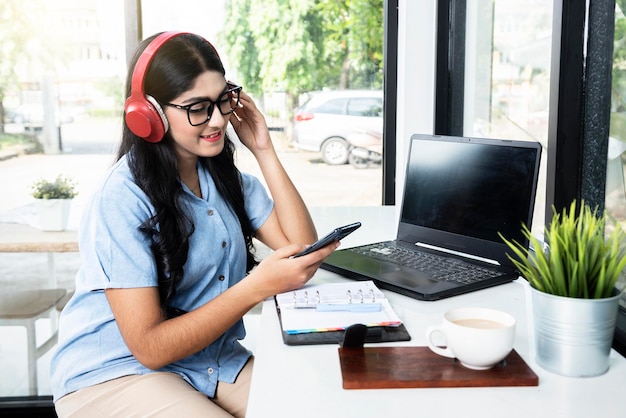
(446, 352)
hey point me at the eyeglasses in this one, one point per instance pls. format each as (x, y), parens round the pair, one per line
(200, 112)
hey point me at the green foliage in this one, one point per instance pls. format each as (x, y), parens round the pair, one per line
(13, 140)
(354, 41)
(239, 37)
(579, 261)
(61, 188)
(302, 45)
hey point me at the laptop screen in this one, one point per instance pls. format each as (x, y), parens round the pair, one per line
(471, 187)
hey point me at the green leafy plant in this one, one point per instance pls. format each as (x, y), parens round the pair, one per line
(578, 261)
(61, 188)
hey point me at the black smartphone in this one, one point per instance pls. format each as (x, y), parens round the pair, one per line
(336, 235)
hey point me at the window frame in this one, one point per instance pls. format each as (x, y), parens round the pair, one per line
(390, 102)
(580, 101)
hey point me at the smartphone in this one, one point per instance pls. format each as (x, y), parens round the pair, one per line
(336, 235)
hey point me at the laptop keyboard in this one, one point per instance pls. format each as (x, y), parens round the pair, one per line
(441, 268)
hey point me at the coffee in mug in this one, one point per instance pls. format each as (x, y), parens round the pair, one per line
(478, 337)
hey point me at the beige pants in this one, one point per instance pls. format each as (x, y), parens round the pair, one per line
(157, 395)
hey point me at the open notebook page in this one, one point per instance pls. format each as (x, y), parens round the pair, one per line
(334, 306)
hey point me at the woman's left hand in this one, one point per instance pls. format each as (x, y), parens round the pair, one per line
(250, 125)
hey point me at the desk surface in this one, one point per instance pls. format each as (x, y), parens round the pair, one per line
(18, 238)
(305, 381)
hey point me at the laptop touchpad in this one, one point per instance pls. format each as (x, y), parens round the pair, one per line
(408, 279)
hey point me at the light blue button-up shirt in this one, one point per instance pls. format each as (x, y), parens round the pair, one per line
(115, 254)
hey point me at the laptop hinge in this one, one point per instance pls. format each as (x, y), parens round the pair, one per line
(465, 255)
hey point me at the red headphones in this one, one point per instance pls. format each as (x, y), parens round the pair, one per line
(144, 116)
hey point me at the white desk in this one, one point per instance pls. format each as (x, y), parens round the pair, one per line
(305, 381)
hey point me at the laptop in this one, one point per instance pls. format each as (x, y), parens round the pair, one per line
(459, 194)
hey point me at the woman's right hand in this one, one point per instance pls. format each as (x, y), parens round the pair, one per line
(280, 272)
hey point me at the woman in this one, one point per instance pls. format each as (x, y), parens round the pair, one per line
(168, 265)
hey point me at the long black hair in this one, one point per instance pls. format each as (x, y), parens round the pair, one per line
(154, 166)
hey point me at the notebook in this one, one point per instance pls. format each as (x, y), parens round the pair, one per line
(459, 194)
(321, 313)
(334, 307)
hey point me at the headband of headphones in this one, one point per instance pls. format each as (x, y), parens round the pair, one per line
(143, 114)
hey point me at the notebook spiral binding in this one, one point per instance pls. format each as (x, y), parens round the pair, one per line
(350, 301)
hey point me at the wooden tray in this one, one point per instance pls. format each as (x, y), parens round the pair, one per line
(419, 367)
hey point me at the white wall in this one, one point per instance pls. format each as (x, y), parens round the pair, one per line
(416, 77)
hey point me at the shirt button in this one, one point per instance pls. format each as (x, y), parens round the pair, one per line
(223, 244)
(210, 370)
(221, 278)
(210, 212)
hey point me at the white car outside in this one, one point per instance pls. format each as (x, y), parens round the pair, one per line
(328, 118)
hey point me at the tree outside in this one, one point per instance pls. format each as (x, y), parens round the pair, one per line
(295, 46)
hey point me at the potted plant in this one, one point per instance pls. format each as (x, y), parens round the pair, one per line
(54, 201)
(573, 291)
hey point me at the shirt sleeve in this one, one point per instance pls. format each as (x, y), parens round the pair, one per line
(115, 251)
(258, 204)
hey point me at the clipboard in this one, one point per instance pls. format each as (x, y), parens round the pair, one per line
(373, 335)
(355, 302)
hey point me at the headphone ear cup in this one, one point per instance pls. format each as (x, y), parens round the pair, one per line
(145, 117)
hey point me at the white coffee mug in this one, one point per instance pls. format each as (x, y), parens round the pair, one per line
(478, 337)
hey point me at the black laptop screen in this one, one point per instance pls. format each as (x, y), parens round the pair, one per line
(470, 187)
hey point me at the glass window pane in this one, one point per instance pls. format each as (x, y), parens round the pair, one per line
(314, 82)
(507, 76)
(366, 107)
(333, 107)
(616, 164)
(85, 46)
(62, 108)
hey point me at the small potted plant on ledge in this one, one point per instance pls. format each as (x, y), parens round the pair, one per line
(573, 290)
(54, 200)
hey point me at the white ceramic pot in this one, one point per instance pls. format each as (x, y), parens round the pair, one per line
(573, 336)
(53, 214)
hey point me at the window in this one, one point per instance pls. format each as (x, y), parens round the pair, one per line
(333, 107)
(615, 201)
(370, 107)
(507, 76)
(90, 85)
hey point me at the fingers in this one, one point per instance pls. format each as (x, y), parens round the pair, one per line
(280, 272)
(247, 116)
(316, 256)
(243, 96)
(246, 104)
